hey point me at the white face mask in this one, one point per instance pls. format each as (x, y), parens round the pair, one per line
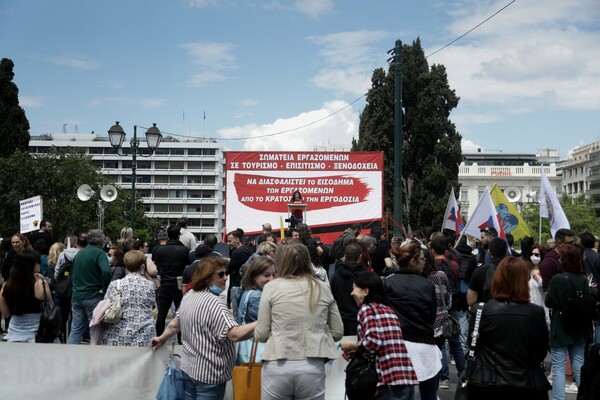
(535, 259)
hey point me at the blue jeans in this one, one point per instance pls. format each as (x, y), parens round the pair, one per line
(461, 316)
(196, 390)
(459, 357)
(81, 316)
(396, 392)
(559, 366)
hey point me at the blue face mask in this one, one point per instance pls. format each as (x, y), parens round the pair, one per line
(216, 290)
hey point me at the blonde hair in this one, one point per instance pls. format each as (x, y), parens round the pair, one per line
(266, 247)
(54, 252)
(293, 262)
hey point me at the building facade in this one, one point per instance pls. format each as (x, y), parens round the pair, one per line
(181, 178)
(517, 175)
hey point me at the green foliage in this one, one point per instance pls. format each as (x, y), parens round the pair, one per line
(14, 127)
(56, 176)
(431, 150)
(579, 211)
(581, 214)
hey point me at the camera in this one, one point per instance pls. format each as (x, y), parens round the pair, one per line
(292, 221)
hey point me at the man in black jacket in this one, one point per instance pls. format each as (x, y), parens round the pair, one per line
(481, 280)
(170, 260)
(341, 286)
(240, 253)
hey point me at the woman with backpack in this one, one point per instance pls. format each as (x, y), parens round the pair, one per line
(568, 332)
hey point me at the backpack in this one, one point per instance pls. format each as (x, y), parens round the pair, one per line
(445, 265)
(463, 269)
(337, 248)
(63, 286)
(579, 312)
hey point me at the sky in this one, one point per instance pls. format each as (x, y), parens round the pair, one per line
(298, 71)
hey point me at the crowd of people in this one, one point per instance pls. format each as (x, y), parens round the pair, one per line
(306, 303)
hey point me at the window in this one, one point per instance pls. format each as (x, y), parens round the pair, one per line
(144, 165)
(195, 152)
(95, 150)
(176, 152)
(161, 152)
(160, 179)
(176, 194)
(161, 165)
(176, 165)
(110, 164)
(210, 152)
(464, 195)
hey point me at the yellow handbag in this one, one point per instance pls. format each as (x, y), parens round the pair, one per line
(246, 378)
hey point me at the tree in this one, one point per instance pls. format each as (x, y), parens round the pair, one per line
(431, 145)
(580, 213)
(14, 127)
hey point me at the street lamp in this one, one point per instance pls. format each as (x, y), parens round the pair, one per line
(116, 135)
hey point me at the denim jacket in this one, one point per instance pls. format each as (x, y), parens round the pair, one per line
(248, 310)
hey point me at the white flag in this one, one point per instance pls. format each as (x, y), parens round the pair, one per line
(452, 218)
(484, 216)
(550, 207)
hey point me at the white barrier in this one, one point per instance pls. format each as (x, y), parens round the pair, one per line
(35, 371)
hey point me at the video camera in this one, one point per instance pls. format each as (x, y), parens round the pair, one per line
(292, 221)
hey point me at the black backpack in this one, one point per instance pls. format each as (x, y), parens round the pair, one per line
(463, 270)
(337, 248)
(64, 286)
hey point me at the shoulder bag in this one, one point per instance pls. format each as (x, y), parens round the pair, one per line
(361, 376)
(579, 311)
(171, 387)
(51, 325)
(461, 389)
(114, 313)
(451, 327)
(246, 378)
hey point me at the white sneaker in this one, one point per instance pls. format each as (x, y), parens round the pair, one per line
(572, 388)
(444, 384)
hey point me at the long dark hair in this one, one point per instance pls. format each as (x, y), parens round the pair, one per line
(373, 282)
(21, 281)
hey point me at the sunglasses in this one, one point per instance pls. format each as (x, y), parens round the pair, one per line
(221, 274)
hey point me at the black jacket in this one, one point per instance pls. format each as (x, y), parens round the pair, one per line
(170, 258)
(512, 345)
(412, 296)
(341, 287)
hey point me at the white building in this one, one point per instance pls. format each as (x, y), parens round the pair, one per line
(181, 178)
(517, 175)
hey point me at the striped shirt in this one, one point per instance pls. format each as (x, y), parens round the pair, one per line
(204, 320)
(379, 333)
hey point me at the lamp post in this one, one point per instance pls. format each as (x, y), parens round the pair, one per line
(116, 135)
(534, 195)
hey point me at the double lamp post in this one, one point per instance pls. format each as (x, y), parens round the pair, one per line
(116, 135)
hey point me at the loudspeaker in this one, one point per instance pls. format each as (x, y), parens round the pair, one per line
(513, 194)
(85, 192)
(108, 193)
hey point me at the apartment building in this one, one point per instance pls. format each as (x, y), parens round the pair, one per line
(181, 178)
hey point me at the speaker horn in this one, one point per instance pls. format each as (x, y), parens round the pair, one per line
(85, 192)
(108, 193)
(513, 194)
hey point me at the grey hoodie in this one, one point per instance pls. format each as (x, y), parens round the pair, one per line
(69, 253)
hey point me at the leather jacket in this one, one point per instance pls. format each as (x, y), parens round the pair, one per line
(512, 345)
(413, 298)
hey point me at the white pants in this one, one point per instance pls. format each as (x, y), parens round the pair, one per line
(293, 379)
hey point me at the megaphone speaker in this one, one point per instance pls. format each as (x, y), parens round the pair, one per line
(85, 192)
(108, 193)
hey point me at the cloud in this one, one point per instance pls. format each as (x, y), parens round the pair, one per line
(532, 56)
(127, 101)
(210, 54)
(468, 146)
(300, 132)
(348, 60)
(201, 3)
(75, 61)
(32, 101)
(202, 78)
(211, 58)
(314, 8)
(249, 102)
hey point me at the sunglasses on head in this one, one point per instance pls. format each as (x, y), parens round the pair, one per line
(221, 274)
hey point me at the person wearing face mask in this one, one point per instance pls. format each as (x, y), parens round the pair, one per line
(209, 353)
(536, 291)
